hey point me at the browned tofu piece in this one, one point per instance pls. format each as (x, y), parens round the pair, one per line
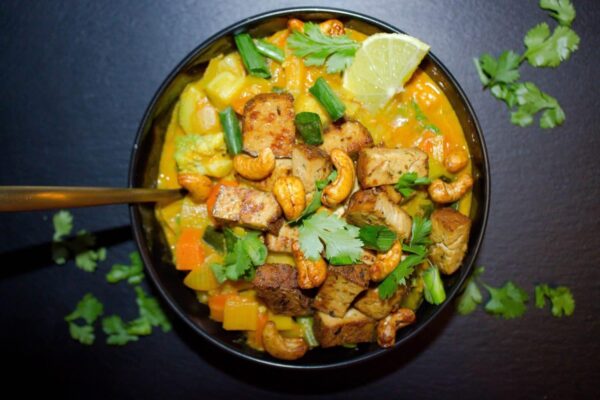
(449, 236)
(269, 122)
(382, 166)
(248, 207)
(277, 286)
(283, 168)
(370, 207)
(351, 137)
(341, 287)
(310, 164)
(372, 306)
(282, 242)
(354, 327)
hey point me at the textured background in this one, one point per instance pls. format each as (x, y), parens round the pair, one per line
(75, 79)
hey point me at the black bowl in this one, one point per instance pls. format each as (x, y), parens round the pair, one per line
(144, 171)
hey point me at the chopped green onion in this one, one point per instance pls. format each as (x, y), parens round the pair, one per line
(214, 238)
(328, 99)
(269, 50)
(309, 334)
(233, 133)
(377, 237)
(341, 260)
(434, 286)
(254, 62)
(310, 128)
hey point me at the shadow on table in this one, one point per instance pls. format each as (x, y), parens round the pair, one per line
(315, 382)
(28, 259)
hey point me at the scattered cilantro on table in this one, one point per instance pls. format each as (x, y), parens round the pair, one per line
(508, 301)
(471, 296)
(88, 309)
(133, 273)
(561, 297)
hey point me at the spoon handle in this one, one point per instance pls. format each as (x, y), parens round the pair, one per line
(28, 198)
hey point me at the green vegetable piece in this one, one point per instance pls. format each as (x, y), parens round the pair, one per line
(505, 69)
(83, 334)
(377, 237)
(328, 99)
(408, 181)
(88, 308)
(133, 273)
(398, 276)
(117, 332)
(214, 238)
(254, 62)
(508, 301)
(269, 50)
(150, 309)
(233, 132)
(317, 48)
(471, 296)
(307, 326)
(434, 286)
(63, 224)
(561, 297)
(561, 10)
(549, 50)
(424, 122)
(310, 127)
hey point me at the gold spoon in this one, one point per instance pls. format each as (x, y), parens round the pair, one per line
(29, 198)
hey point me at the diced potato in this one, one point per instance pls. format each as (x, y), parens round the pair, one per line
(240, 314)
(233, 63)
(201, 277)
(196, 114)
(305, 102)
(223, 88)
(193, 215)
(282, 322)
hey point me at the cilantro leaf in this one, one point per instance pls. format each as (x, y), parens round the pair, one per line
(150, 310)
(377, 237)
(317, 48)
(89, 309)
(84, 334)
(63, 224)
(340, 238)
(133, 273)
(88, 260)
(315, 201)
(398, 276)
(531, 100)
(561, 298)
(424, 122)
(505, 69)
(545, 50)
(507, 301)
(471, 296)
(561, 10)
(408, 181)
(419, 240)
(116, 330)
(244, 253)
(60, 252)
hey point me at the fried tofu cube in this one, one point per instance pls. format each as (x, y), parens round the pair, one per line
(269, 122)
(310, 164)
(354, 327)
(373, 306)
(282, 242)
(277, 286)
(371, 207)
(341, 287)
(381, 166)
(247, 207)
(450, 237)
(351, 137)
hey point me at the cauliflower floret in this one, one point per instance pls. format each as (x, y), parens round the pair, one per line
(203, 154)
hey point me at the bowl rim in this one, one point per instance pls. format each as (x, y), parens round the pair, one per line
(137, 223)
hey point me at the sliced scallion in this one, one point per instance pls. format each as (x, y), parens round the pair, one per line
(269, 50)
(434, 286)
(233, 132)
(254, 62)
(310, 128)
(328, 99)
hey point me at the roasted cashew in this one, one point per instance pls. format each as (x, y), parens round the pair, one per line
(280, 347)
(295, 24)
(341, 187)
(289, 193)
(456, 160)
(311, 274)
(385, 262)
(255, 168)
(332, 27)
(387, 327)
(198, 186)
(442, 192)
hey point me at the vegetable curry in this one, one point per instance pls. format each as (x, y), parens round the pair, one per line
(313, 217)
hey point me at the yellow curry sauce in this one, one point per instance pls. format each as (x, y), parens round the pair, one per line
(420, 116)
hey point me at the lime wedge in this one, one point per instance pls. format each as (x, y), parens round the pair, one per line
(381, 67)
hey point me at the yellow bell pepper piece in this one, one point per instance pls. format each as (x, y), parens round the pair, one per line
(201, 278)
(282, 322)
(240, 314)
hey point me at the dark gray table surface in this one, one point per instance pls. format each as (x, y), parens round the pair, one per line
(75, 79)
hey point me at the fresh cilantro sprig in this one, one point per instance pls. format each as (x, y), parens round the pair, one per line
(408, 181)
(377, 237)
(317, 48)
(315, 201)
(545, 49)
(117, 331)
(324, 231)
(561, 10)
(133, 273)
(508, 301)
(419, 240)
(561, 298)
(471, 296)
(398, 276)
(88, 309)
(243, 254)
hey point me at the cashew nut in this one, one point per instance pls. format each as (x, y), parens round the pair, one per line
(311, 274)
(385, 262)
(387, 327)
(255, 168)
(295, 24)
(280, 347)
(456, 160)
(198, 186)
(442, 192)
(332, 27)
(341, 187)
(289, 193)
